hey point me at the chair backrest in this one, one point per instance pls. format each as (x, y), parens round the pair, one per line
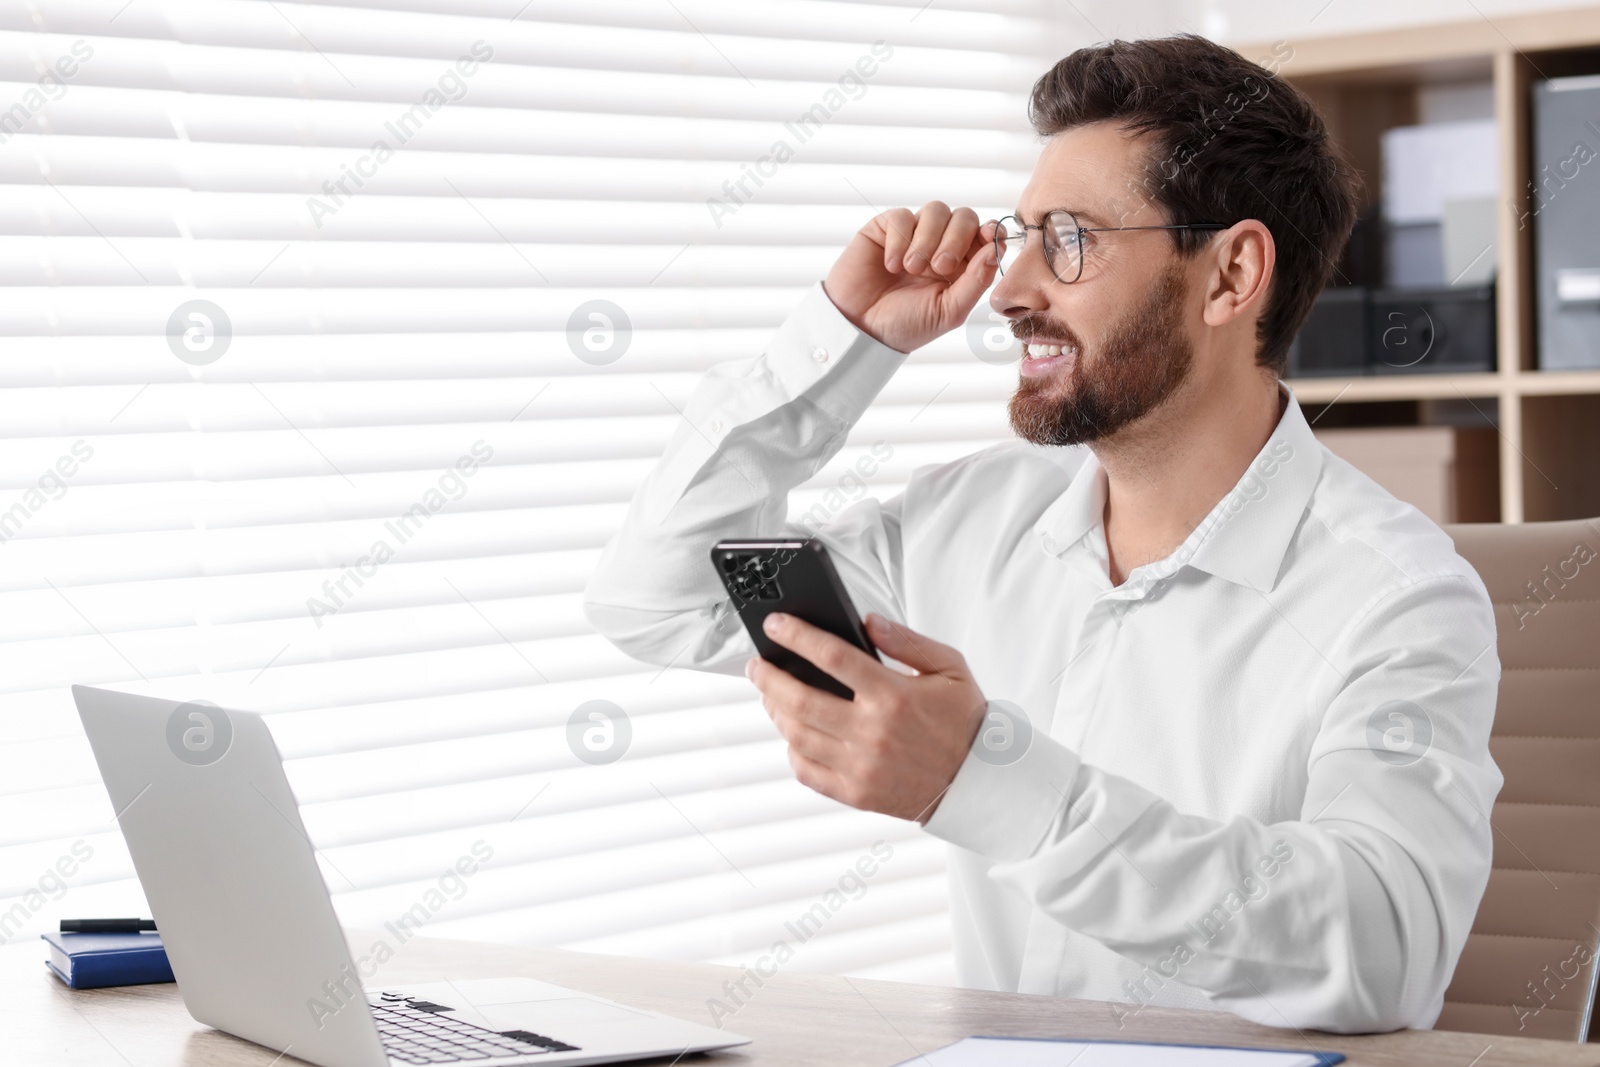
(1530, 962)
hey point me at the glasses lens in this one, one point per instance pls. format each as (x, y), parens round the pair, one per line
(1063, 250)
(1009, 239)
(1063, 245)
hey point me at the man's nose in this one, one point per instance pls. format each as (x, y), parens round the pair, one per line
(1017, 292)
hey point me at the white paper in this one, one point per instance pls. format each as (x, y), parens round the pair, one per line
(1423, 166)
(1023, 1052)
(1471, 236)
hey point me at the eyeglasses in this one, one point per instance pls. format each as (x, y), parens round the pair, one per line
(1063, 241)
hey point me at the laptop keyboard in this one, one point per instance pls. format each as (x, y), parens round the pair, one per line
(413, 1032)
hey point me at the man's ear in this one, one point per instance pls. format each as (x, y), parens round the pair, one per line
(1243, 258)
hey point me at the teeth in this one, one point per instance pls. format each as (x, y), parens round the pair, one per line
(1044, 351)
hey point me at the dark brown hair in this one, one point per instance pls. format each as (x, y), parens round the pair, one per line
(1229, 140)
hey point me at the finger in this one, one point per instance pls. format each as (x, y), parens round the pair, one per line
(913, 649)
(931, 223)
(898, 225)
(784, 694)
(986, 234)
(964, 293)
(813, 744)
(816, 776)
(833, 655)
(957, 243)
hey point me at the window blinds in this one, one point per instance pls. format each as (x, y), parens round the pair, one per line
(336, 339)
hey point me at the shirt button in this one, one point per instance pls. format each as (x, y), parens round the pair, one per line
(716, 426)
(1049, 544)
(820, 355)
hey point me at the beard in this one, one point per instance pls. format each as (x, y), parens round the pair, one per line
(1146, 358)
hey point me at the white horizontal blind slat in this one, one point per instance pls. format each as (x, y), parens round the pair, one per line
(398, 352)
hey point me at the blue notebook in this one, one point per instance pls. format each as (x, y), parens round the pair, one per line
(92, 961)
(1046, 1052)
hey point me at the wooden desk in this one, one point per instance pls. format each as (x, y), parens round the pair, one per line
(796, 1019)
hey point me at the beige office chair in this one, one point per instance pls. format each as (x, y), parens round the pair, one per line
(1529, 966)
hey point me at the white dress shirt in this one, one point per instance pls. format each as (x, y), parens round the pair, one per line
(1255, 776)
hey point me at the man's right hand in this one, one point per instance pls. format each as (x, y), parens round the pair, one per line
(905, 279)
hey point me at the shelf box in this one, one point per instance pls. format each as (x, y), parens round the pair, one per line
(1355, 331)
(1449, 473)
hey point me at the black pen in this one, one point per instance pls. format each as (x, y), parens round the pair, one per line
(106, 926)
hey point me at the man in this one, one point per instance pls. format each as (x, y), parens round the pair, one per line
(1204, 718)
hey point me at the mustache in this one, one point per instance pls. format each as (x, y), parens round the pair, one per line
(1036, 323)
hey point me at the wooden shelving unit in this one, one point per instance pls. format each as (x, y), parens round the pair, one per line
(1548, 421)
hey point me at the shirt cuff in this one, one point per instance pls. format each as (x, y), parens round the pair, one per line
(816, 338)
(1005, 811)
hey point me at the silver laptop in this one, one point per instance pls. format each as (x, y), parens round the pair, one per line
(245, 917)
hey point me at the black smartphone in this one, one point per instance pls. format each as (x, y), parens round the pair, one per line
(798, 578)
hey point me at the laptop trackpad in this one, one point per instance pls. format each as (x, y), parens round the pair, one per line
(576, 1011)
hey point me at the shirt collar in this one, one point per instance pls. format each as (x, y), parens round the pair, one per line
(1246, 535)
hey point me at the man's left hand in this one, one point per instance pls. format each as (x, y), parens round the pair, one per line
(893, 749)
